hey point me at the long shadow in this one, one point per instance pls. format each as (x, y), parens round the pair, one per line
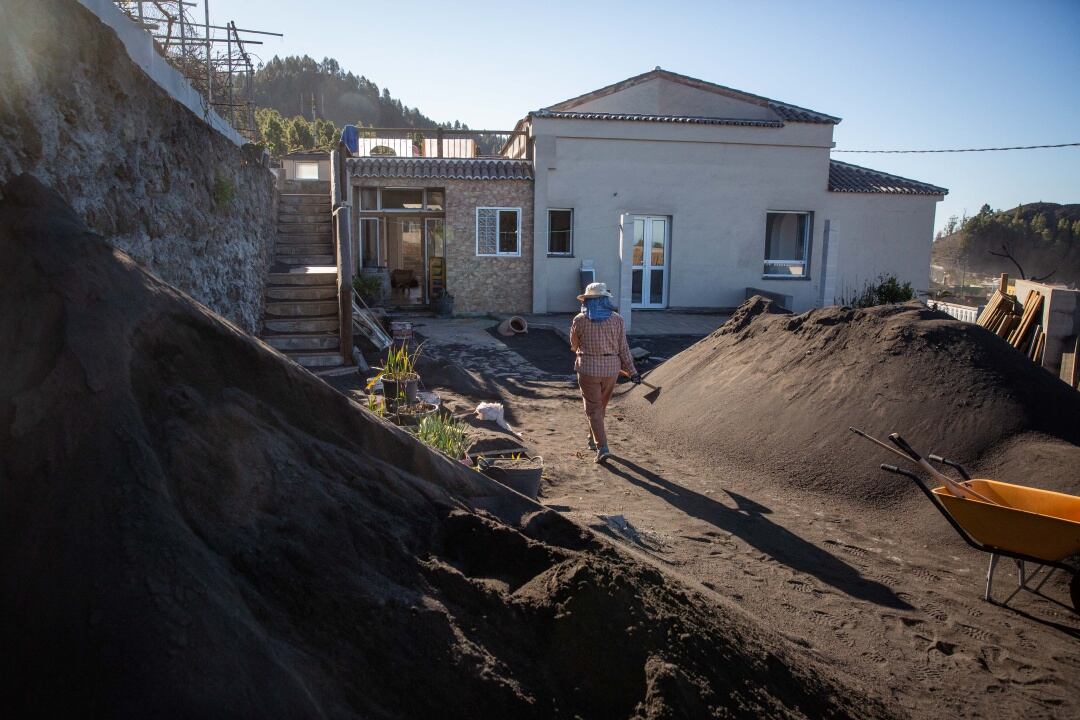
(749, 522)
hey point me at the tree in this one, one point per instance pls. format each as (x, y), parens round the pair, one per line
(273, 132)
(299, 135)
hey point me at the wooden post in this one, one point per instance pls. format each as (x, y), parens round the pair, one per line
(345, 281)
(438, 141)
(1003, 286)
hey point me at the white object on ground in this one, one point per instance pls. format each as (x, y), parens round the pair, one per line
(493, 412)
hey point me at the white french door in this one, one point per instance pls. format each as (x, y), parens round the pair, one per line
(652, 238)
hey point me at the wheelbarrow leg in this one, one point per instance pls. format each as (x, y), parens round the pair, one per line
(1020, 572)
(990, 575)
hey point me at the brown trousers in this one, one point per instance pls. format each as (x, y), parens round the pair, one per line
(596, 392)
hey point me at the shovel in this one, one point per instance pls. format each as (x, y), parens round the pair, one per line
(650, 396)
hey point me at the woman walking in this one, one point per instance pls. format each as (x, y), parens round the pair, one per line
(598, 337)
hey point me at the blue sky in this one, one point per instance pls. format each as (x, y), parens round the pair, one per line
(900, 74)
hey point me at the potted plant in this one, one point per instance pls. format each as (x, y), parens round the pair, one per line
(445, 434)
(400, 381)
(368, 286)
(518, 472)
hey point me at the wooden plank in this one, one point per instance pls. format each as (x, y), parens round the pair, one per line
(1003, 285)
(1031, 308)
(1074, 380)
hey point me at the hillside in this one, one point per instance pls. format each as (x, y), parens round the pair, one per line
(293, 85)
(1042, 237)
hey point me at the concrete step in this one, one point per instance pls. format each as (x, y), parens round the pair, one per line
(302, 203)
(305, 259)
(304, 249)
(301, 292)
(317, 359)
(302, 228)
(302, 325)
(306, 275)
(303, 342)
(305, 239)
(306, 187)
(294, 218)
(301, 308)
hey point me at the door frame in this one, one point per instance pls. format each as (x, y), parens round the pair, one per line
(646, 267)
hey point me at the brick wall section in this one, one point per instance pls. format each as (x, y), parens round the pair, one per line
(480, 284)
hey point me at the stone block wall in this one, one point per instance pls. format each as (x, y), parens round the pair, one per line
(479, 284)
(140, 168)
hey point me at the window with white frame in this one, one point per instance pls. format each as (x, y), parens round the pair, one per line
(787, 244)
(560, 231)
(307, 170)
(498, 231)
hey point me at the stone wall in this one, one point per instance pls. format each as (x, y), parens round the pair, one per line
(140, 168)
(479, 284)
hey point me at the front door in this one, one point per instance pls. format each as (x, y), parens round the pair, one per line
(650, 262)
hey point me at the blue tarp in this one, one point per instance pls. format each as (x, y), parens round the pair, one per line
(350, 136)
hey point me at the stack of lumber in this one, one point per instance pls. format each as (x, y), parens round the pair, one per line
(1019, 326)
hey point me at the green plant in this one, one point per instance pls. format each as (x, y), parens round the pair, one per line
(374, 406)
(887, 290)
(444, 434)
(401, 362)
(367, 284)
(223, 191)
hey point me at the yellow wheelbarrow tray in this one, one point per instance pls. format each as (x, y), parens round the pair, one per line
(1027, 524)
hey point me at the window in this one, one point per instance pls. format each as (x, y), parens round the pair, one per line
(402, 198)
(787, 243)
(436, 199)
(498, 231)
(307, 170)
(369, 198)
(560, 232)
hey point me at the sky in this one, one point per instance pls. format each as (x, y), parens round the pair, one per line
(902, 75)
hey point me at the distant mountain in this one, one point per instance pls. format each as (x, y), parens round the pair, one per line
(1041, 239)
(323, 90)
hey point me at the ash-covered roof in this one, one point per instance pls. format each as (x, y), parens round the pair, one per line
(684, 119)
(845, 177)
(440, 168)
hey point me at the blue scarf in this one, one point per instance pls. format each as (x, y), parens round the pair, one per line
(597, 309)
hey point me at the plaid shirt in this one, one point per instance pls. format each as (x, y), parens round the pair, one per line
(601, 347)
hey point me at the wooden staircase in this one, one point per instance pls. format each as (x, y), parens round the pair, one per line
(301, 317)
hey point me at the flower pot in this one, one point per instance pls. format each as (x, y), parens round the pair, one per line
(412, 414)
(394, 388)
(522, 475)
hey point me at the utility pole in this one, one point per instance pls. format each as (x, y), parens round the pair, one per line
(209, 62)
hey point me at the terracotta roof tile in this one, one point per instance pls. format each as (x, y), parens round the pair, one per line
(684, 119)
(845, 177)
(440, 168)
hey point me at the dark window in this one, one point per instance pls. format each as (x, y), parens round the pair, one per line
(497, 231)
(436, 199)
(787, 240)
(402, 199)
(369, 198)
(560, 232)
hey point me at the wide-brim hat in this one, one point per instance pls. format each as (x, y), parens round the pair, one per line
(594, 290)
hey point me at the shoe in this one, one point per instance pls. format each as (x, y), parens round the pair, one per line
(602, 455)
(591, 445)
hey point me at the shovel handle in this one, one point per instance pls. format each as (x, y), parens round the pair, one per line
(646, 384)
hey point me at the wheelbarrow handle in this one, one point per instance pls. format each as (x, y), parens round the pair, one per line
(954, 465)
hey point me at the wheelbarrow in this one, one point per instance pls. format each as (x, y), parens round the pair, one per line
(1027, 524)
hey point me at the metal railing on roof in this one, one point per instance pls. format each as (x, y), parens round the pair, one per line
(443, 143)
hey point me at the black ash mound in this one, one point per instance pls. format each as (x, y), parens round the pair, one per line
(778, 391)
(191, 526)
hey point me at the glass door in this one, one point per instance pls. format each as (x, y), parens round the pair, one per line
(650, 262)
(435, 230)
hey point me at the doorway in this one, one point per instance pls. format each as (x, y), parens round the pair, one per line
(405, 258)
(650, 261)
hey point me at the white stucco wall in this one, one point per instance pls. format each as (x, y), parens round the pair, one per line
(658, 96)
(877, 234)
(716, 183)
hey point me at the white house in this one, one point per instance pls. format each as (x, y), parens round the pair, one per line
(676, 192)
(682, 193)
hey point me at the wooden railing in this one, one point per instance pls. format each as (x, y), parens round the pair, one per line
(443, 143)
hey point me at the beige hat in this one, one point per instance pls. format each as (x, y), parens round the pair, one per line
(593, 290)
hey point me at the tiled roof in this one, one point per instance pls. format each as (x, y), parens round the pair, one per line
(440, 168)
(685, 119)
(786, 111)
(845, 177)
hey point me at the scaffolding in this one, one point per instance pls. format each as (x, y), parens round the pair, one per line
(214, 58)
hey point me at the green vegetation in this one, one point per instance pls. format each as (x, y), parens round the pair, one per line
(367, 285)
(1034, 241)
(445, 434)
(886, 291)
(222, 192)
(284, 135)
